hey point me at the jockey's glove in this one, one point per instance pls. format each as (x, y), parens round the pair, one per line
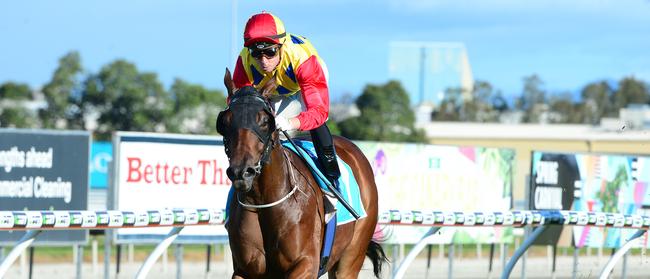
(284, 124)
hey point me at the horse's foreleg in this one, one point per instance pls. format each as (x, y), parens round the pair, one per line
(304, 268)
(249, 264)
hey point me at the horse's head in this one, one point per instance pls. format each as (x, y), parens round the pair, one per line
(248, 129)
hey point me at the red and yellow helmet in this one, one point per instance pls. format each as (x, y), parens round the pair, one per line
(264, 27)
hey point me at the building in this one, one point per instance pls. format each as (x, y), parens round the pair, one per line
(636, 116)
(428, 69)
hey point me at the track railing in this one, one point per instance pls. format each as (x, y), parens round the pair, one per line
(37, 221)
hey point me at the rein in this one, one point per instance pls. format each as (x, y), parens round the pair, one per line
(292, 180)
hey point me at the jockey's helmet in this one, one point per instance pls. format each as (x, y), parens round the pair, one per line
(264, 27)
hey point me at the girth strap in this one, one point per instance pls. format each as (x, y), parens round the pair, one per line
(328, 243)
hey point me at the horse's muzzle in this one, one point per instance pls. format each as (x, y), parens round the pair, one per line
(241, 177)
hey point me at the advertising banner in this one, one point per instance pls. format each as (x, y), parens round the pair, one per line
(101, 156)
(553, 179)
(595, 183)
(44, 170)
(163, 171)
(449, 178)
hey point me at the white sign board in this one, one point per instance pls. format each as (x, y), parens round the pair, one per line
(163, 171)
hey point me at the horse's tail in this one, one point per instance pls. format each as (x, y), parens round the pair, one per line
(377, 256)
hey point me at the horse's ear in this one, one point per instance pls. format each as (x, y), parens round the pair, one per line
(268, 88)
(227, 81)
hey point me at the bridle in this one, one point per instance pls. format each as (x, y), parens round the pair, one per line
(247, 100)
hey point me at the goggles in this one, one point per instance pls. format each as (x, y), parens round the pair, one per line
(268, 52)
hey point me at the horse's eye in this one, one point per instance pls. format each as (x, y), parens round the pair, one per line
(265, 121)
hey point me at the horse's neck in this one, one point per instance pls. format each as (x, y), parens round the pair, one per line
(275, 177)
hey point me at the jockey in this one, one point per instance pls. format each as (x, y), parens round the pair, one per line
(301, 98)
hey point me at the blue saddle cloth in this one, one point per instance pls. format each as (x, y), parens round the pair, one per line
(348, 186)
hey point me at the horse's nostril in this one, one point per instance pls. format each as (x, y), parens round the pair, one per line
(230, 173)
(249, 173)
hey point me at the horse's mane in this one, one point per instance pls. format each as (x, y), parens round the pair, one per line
(264, 92)
(246, 91)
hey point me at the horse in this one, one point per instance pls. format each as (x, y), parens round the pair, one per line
(276, 221)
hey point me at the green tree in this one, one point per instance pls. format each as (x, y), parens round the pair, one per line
(499, 102)
(62, 107)
(123, 99)
(479, 108)
(532, 99)
(630, 91)
(386, 115)
(450, 107)
(474, 106)
(13, 110)
(15, 91)
(564, 110)
(195, 108)
(596, 103)
(17, 117)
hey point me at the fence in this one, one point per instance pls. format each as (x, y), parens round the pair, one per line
(35, 222)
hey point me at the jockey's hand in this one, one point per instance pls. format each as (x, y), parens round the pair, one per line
(284, 124)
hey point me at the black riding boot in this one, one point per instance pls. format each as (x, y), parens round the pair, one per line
(324, 145)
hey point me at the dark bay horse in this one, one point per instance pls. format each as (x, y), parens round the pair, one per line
(276, 224)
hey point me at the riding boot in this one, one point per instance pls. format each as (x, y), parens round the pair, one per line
(326, 153)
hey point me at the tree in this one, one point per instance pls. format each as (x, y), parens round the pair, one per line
(15, 91)
(563, 110)
(533, 99)
(124, 99)
(630, 91)
(450, 107)
(195, 108)
(13, 112)
(596, 102)
(479, 107)
(62, 108)
(385, 116)
(499, 102)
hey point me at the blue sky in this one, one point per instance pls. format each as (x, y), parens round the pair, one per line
(567, 43)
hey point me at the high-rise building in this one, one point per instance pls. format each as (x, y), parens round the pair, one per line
(428, 69)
